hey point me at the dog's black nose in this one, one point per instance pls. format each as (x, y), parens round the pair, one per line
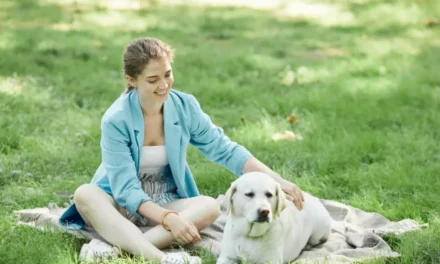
(263, 213)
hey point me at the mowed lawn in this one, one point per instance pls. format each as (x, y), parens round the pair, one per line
(362, 77)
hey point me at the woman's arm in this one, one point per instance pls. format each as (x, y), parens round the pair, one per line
(183, 230)
(119, 166)
(213, 143)
(293, 193)
(217, 147)
(151, 211)
(253, 164)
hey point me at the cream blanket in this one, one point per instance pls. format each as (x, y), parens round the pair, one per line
(356, 234)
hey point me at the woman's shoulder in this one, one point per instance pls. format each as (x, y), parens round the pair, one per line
(119, 110)
(187, 107)
(182, 100)
(181, 97)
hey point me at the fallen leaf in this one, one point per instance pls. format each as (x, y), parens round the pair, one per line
(77, 10)
(288, 135)
(97, 43)
(292, 119)
(432, 22)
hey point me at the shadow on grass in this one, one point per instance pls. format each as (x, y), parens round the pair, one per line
(362, 117)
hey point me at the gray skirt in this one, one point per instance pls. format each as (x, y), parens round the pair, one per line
(159, 185)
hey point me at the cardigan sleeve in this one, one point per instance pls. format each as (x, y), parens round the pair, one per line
(120, 168)
(213, 143)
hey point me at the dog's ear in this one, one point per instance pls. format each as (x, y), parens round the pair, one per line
(281, 201)
(229, 196)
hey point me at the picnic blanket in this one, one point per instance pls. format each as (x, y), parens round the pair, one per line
(356, 234)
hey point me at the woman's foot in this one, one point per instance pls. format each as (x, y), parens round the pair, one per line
(180, 258)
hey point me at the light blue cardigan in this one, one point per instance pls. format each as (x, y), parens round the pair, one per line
(122, 130)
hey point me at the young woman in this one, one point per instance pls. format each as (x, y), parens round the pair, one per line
(144, 179)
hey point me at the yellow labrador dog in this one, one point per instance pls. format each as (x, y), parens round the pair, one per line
(263, 227)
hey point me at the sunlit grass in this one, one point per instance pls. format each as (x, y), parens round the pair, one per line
(361, 76)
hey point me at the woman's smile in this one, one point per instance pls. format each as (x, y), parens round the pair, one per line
(161, 93)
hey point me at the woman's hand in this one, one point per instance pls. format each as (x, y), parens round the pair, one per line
(292, 192)
(184, 231)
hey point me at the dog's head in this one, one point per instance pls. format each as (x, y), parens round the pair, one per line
(256, 197)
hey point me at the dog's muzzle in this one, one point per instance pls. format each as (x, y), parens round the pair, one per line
(263, 216)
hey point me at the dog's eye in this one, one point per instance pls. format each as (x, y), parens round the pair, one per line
(269, 195)
(249, 194)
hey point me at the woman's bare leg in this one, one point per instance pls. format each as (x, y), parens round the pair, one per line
(98, 208)
(201, 211)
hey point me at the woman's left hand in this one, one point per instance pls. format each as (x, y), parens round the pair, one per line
(292, 192)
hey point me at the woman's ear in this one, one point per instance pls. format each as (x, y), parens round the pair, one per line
(281, 201)
(229, 198)
(131, 81)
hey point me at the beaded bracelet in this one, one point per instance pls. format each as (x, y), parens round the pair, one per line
(163, 218)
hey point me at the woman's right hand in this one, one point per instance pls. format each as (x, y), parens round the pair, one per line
(184, 231)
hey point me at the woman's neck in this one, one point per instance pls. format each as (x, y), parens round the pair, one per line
(151, 109)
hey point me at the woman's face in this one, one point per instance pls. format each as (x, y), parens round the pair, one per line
(155, 81)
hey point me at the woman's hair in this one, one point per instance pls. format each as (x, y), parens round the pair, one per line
(138, 53)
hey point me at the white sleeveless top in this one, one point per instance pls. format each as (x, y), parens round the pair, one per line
(153, 158)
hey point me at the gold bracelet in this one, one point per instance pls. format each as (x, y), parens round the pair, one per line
(163, 218)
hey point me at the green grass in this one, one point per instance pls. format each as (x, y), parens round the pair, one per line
(367, 95)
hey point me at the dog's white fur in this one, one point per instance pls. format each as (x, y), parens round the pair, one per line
(283, 235)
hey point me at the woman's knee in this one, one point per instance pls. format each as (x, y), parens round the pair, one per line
(211, 209)
(213, 205)
(85, 195)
